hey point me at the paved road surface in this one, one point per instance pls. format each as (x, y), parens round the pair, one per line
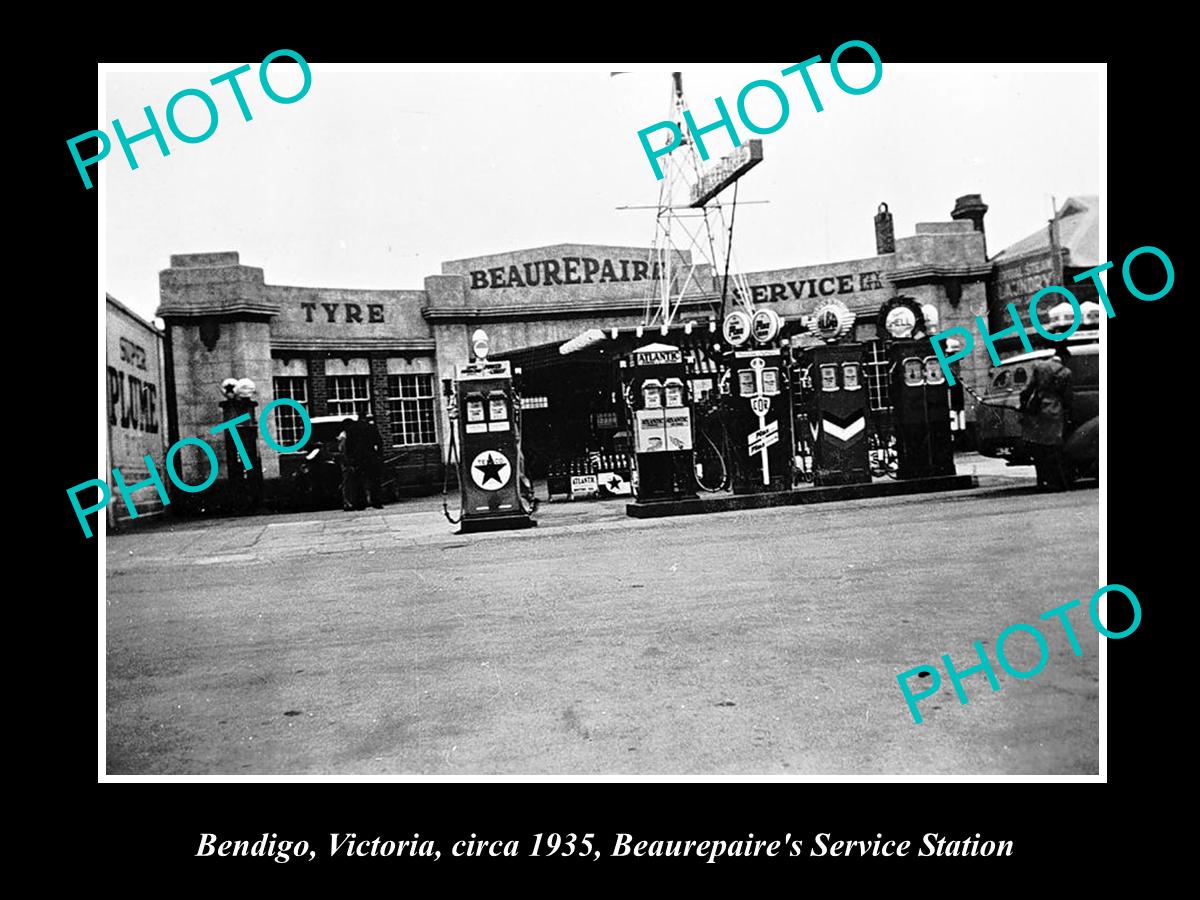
(760, 642)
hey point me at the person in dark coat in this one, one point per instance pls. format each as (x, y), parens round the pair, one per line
(1045, 415)
(369, 450)
(348, 455)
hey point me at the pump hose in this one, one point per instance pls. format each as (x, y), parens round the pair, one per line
(451, 459)
(724, 468)
(980, 402)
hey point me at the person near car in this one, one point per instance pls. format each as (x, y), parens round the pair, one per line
(369, 450)
(348, 456)
(1045, 418)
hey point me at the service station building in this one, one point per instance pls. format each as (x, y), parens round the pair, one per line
(387, 352)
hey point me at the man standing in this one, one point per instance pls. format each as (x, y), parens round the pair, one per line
(370, 460)
(348, 454)
(1045, 414)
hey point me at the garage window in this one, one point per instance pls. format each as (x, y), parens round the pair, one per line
(411, 402)
(289, 426)
(349, 395)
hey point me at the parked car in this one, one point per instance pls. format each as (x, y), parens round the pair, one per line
(998, 420)
(315, 471)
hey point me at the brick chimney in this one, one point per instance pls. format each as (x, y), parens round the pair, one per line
(972, 207)
(885, 231)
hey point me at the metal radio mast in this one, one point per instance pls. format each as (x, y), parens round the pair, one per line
(685, 223)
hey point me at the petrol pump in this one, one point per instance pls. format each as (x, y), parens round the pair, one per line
(490, 467)
(657, 395)
(838, 405)
(921, 407)
(758, 405)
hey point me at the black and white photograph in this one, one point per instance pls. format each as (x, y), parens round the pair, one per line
(594, 421)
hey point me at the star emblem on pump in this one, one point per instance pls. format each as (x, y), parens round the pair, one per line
(490, 470)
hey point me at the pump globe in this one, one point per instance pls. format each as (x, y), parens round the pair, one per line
(932, 317)
(479, 341)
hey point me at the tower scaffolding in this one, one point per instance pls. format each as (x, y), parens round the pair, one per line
(709, 240)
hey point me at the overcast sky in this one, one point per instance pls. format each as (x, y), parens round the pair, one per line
(374, 178)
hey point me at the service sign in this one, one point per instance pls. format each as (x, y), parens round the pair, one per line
(761, 445)
(679, 429)
(584, 485)
(480, 370)
(657, 357)
(650, 431)
(614, 483)
(771, 428)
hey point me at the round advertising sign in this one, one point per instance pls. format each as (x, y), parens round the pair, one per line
(490, 470)
(736, 328)
(832, 320)
(765, 326)
(932, 317)
(900, 322)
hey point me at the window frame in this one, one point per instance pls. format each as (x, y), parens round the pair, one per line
(334, 402)
(413, 413)
(289, 427)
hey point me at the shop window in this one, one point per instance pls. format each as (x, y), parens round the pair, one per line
(412, 403)
(289, 427)
(349, 395)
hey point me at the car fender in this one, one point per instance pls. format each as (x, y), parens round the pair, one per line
(1082, 447)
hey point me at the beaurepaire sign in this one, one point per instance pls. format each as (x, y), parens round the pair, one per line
(563, 270)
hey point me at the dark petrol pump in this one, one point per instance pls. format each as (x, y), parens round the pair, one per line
(921, 407)
(490, 467)
(758, 405)
(655, 382)
(838, 404)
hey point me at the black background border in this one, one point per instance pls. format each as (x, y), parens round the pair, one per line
(1146, 416)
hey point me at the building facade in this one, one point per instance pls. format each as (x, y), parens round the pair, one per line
(388, 352)
(1054, 254)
